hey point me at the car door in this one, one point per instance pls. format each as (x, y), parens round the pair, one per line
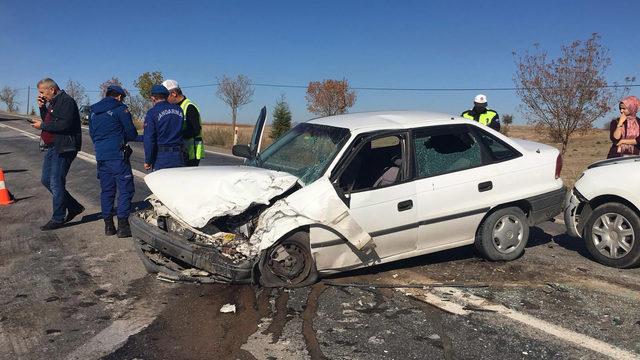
(375, 181)
(453, 185)
(258, 131)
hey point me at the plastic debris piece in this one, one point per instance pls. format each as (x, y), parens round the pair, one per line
(228, 308)
(194, 272)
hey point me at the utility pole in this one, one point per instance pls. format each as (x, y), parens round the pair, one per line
(28, 98)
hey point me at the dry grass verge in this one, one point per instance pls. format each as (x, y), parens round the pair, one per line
(583, 149)
(221, 135)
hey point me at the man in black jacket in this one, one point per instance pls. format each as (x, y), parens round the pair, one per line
(61, 140)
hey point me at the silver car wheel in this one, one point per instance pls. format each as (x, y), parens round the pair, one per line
(612, 235)
(507, 234)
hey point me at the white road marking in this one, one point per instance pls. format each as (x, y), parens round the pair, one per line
(459, 302)
(434, 300)
(115, 335)
(81, 154)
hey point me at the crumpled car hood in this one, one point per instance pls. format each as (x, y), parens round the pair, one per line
(199, 194)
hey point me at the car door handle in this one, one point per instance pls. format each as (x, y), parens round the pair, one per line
(485, 186)
(405, 205)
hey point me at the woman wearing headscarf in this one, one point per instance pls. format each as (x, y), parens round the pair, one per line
(625, 131)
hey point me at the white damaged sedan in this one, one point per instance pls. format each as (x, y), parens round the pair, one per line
(349, 191)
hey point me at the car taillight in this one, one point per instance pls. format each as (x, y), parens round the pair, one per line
(558, 166)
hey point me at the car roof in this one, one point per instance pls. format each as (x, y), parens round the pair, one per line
(381, 120)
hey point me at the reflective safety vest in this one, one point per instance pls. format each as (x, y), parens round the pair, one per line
(193, 146)
(484, 119)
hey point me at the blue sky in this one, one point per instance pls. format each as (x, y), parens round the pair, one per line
(408, 44)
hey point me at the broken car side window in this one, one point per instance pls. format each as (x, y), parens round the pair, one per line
(497, 148)
(445, 151)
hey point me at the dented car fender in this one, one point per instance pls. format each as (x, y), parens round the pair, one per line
(315, 204)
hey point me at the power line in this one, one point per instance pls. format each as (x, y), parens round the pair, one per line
(370, 88)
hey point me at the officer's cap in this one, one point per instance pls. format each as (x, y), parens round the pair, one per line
(480, 99)
(117, 89)
(170, 84)
(159, 90)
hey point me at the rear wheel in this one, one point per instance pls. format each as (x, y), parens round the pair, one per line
(288, 263)
(503, 235)
(611, 235)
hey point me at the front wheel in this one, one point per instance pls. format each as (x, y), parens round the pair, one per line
(288, 263)
(503, 235)
(611, 235)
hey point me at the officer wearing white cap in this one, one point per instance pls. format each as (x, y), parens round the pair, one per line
(192, 125)
(482, 114)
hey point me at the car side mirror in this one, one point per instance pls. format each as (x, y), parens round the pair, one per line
(242, 151)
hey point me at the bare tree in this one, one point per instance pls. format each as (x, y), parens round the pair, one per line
(8, 96)
(138, 106)
(329, 97)
(566, 94)
(77, 92)
(113, 81)
(235, 93)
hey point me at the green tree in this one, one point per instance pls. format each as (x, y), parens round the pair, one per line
(281, 118)
(507, 119)
(146, 80)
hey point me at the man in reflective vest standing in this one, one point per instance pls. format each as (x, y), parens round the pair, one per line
(162, 136)
(192, 126)
(482, 114)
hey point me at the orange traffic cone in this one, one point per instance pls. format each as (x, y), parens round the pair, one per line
(5, 195)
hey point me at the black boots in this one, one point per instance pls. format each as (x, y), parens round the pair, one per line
(71, 213)
(124, 230)
(109, 228)
(51, 225)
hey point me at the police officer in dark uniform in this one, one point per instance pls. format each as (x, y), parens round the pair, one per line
(111, 127)
(163, 132)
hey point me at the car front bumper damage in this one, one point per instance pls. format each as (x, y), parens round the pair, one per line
(576, 207)
(209, 259)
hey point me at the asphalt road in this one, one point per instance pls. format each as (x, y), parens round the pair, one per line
(76, 294)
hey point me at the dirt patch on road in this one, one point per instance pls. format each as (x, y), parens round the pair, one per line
(192, 326)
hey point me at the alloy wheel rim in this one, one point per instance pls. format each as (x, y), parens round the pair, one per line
(508, 233)
(612, 235)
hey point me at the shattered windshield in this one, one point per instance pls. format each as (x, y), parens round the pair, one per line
(305, 151)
